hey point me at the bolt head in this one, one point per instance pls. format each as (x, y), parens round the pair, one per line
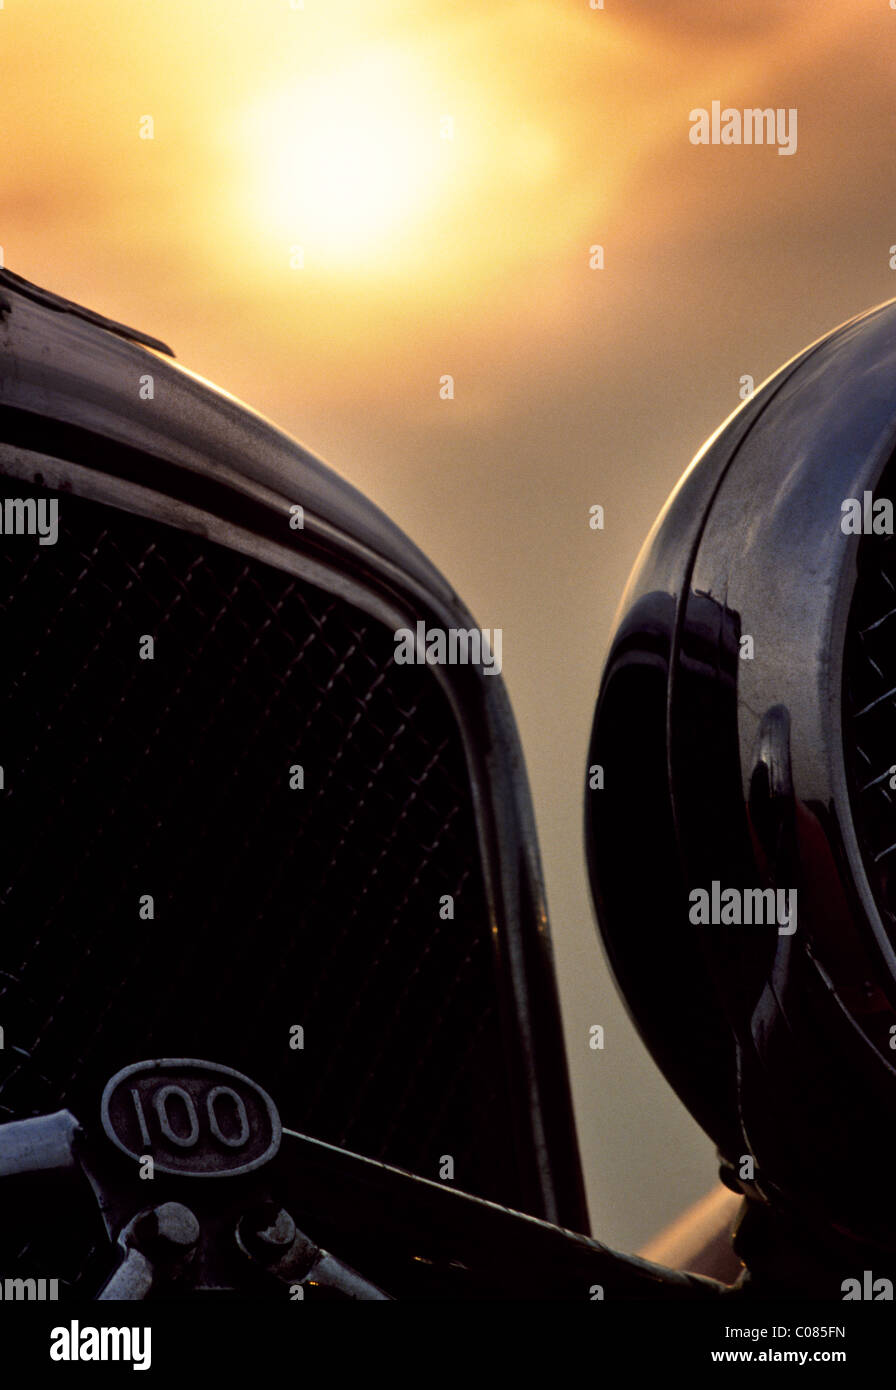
(168, 1227)
(268, 1231)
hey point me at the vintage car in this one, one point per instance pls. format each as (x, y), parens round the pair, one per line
(278, 1009)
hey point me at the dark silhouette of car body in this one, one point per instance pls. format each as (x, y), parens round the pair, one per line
(278, 1006)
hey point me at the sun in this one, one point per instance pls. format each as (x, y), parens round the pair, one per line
(345, 162)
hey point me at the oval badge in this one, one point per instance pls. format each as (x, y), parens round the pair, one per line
(193, 1118)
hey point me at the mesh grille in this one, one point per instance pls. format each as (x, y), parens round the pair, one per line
(272, 906)
(870, 711)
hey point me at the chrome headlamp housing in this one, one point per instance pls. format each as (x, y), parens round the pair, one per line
(746, 727)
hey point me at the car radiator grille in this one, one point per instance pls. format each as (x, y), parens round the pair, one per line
(272, 906)
(869, 710)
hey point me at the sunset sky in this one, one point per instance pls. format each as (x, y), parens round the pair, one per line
(426, 255)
